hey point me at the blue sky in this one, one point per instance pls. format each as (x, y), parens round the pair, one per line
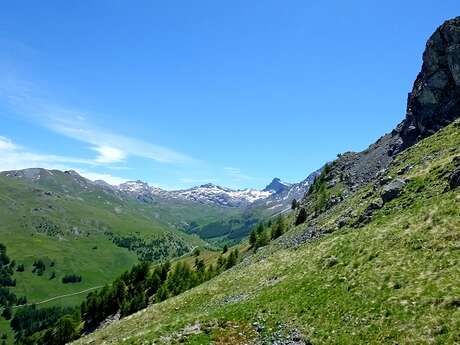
(181, 93)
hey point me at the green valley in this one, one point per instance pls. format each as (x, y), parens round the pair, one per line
(364, 250)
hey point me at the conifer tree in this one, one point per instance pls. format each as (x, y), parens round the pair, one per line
(252, 238)
(301, 217)
(279, 228)
(199, 265)
(262, 239)
(7, 313)
(220, 262)
(231, 260)
(210, 272)
(260, 228)
(65, 330)
(162, 293)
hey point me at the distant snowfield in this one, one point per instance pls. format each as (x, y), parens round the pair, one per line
(208, 193)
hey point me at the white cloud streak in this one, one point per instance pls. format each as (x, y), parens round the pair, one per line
(93, 176)
(74, 124)
(236, 174)
(6, 144)
(123, 145)
(109, 154)
(15, 157)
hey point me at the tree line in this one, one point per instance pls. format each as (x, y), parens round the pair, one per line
(154, 249)
(7, 297)
(71, 278)
(318, 189)
(6, 268)
(131, 291)
(262, 234)
(30, 320)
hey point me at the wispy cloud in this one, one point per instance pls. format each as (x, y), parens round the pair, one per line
(15, 157)
(93, 176)
(236, 174)
(109, 154)
(123, 146)
(75, 124)
(6, 144)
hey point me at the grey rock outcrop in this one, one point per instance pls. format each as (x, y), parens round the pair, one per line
(435, 98)
(392, 190)
(433, 103)
(454, 177)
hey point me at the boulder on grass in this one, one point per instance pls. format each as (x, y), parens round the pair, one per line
(392, 190)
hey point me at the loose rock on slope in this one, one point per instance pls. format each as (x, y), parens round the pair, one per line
(392, 190)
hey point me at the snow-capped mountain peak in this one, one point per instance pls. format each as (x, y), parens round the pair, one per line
(134, 186)
(276, 193)
(208, 193)
(211, 193)
(277, 186)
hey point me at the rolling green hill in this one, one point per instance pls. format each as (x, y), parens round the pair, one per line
(78, 228)
(80, 233)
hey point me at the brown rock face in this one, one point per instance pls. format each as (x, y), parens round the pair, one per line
(435, 98)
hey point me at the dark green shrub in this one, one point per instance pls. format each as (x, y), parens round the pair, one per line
(301, 217)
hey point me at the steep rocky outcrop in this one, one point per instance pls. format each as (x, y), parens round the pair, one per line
(433, 103)
(435, 98)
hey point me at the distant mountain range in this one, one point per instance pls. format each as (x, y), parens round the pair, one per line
(276, 194)
(215, 213)
(205, 194)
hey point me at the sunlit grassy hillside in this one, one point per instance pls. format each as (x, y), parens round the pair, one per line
(392, 280)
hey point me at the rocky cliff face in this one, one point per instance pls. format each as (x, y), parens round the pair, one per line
(435, 98)
(433, 104)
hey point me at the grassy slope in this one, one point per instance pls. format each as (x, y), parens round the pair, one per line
(82, 221)
(70, 252)
(394, 280)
